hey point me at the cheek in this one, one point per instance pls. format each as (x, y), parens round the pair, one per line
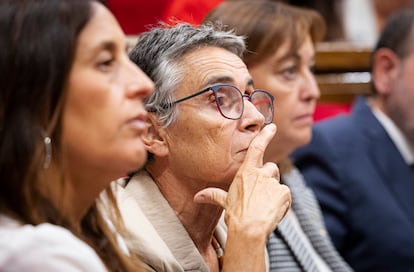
(225, 154)
(93, 119)
(90, 100)
(95, 116)
(216, 141)
(400, 104)
(209, 152)
(285, 105)
(88, 131)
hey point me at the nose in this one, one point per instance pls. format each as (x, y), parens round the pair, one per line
(138, 83)
(310, 89)
(252, 119)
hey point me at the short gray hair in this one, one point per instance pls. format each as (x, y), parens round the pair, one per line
(159, 52)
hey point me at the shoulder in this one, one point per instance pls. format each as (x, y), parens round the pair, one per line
(330, 140)
(344, 125)
(44, 247)
(340, 136)
(333, 129)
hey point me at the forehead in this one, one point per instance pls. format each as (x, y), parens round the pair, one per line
(102, 27)
(210, 65)
(285, 52)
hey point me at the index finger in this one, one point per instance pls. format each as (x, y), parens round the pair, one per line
(254, 155)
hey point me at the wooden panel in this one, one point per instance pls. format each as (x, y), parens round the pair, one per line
(342, 71)
(342, 57)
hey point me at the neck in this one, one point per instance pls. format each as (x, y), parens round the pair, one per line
(277, 150)
(200, 220)
(73, 193)
(275, 155)
(377, 102)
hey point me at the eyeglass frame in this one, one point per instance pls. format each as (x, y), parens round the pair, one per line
(215, 88)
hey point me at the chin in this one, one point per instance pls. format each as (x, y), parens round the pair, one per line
(303, 141)
(142, 159)
(136, 160)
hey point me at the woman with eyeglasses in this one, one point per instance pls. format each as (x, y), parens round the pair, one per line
(208, 128)
(280, 56)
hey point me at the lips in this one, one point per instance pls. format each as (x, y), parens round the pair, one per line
(139, 122)
(304, 119)
(305, 115)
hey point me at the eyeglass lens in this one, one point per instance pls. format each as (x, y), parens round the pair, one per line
(264, 104)
(230, 102)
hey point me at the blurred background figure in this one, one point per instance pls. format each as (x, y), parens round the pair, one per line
(360, 166)
(363, 20)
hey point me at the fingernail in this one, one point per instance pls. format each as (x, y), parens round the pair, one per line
(271, 127)
(201, 197)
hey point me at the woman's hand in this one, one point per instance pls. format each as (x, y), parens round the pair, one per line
(256, 201)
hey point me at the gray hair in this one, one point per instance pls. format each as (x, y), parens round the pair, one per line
(159, 53)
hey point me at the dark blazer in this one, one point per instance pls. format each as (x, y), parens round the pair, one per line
(365, 190)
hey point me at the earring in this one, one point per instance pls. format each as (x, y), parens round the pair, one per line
(48, 152)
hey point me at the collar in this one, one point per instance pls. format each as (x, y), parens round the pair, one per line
(396, 135)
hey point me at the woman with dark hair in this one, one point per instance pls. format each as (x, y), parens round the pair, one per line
(71, 115)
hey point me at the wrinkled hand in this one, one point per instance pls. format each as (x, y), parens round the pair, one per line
(255, 200)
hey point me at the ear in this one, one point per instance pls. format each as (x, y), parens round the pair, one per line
(155, 141)
(386, 68)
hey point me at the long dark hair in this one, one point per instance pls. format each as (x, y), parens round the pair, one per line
(38, 40)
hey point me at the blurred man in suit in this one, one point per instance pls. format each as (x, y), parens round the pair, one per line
(360, 165)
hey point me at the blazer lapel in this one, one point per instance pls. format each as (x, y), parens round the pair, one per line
(395, 173)
(310, 219)
(295, 243)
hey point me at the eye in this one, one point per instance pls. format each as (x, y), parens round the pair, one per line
(105, 61)
(218, 97)
(290, 72)
(226, 96)
(220, 100)
(212, 97)
(106, 65)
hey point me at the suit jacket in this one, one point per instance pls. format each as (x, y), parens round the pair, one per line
(365, 189)
(286, 252)
(158, 236)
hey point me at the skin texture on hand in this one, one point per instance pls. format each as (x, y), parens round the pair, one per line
(255, 203)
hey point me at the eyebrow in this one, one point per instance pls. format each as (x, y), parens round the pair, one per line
(295, 57)
(95, 49)
(287, 57)
(107, 45)
(225, 79)
(104, 45)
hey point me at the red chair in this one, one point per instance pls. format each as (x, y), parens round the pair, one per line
(136, 16)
